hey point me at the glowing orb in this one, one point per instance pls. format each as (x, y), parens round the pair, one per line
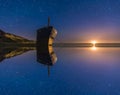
(94, 42)
(94, 47)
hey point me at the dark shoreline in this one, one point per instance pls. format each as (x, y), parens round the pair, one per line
(86, 45)
(79, 45)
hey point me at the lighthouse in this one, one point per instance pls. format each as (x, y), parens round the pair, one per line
(45, 39)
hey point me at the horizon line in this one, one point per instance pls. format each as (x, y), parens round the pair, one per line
(86, 45)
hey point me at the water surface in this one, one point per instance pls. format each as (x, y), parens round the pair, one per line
(78, 71)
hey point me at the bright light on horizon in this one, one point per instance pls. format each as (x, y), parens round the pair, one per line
(94, 42)
(94, 47)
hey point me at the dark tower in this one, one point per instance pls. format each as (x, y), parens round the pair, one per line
(48, 21)
(45, 38)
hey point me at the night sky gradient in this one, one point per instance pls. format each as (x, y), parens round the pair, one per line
(78, 71)
(75, 20)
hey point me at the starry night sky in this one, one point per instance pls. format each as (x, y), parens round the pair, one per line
(75, 20)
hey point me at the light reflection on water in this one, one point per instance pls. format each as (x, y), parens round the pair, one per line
(78, 71)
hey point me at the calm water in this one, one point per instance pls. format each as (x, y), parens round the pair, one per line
(77, 72)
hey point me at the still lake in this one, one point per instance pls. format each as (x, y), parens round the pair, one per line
(78, 71)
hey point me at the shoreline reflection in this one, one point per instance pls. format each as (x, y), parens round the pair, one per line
(9, 52)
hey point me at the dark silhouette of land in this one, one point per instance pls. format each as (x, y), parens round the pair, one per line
(107, 44)
(7, 39)
(82, 45)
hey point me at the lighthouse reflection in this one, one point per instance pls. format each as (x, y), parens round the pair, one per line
(46, 56)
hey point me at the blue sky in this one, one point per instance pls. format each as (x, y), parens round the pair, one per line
(75, 20)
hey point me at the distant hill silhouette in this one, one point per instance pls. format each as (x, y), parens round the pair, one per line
(11, 38)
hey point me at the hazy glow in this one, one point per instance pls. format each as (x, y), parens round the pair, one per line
(94, 48)
(94, 42)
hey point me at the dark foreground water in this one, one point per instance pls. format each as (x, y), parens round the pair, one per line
(77, 72)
